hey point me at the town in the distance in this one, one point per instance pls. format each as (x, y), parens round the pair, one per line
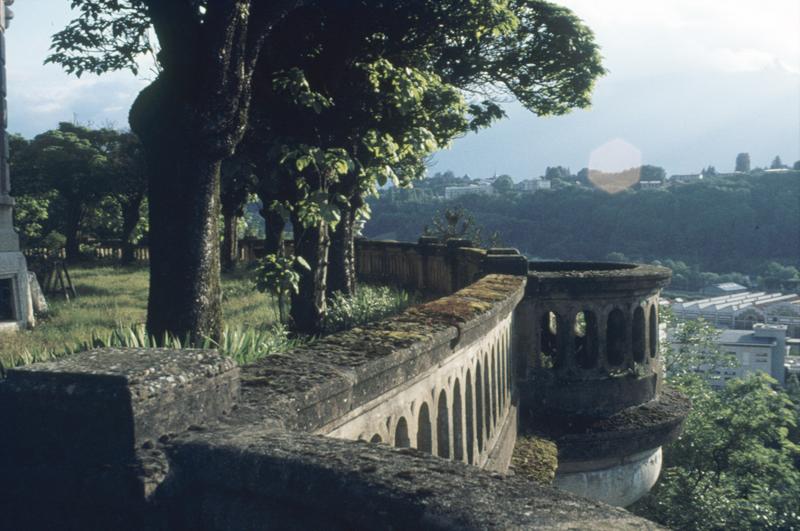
(753, 312)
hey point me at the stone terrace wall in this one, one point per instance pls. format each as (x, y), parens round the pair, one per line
(431, 266)
(159, 439)
(435, 377)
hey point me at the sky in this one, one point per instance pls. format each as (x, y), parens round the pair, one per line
(691, 83)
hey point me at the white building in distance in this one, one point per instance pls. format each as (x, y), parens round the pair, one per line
(532, 185)
(765, 348)
(451, 192)
(688, 178)
(650, 185)
(743, 310)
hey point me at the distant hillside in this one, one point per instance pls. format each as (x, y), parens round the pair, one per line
(727, 223)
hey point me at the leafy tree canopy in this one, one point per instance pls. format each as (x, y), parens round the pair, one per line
(503, 184)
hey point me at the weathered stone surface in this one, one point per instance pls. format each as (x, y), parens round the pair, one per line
(138, 439)
(37, 296)
(99, 406)
(598, 397)
(600, 278)
(628, 432)
(320, 382)
(254, 478)
(620, 484)
(535, 459)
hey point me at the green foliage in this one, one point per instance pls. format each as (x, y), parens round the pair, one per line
(243, 345)
(115, 298)
(247, 345)
(280, 276)
(728, 223)
(503, 184)
(652, 173)
(84, 183)
(370, 303)
(692, 349)
(458, 223)
(338, 108)
(31, 215)
(53, 241)
(734, 466)
(107, 35)
(557, 173)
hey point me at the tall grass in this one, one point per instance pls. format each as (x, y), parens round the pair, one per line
(109, 310)
(243, 345)
(112, 305)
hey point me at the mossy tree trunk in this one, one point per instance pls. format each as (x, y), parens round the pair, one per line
(309, 304)
(189, 119)
(342, 263)
(230, 241)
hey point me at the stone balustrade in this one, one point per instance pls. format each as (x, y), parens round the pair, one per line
(160, 439)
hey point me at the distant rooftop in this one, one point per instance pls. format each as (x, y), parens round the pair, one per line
(730, 286)
(735, 302)
(744, 337)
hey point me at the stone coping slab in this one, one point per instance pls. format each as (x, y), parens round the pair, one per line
(248, 477)
(593, 279)
(100, 405)
(315, 384)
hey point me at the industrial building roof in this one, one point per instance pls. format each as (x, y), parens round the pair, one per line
(744, 337)
(735, 302)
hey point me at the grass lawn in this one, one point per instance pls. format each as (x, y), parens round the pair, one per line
(110, 297)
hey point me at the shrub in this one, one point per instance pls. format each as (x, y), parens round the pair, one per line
(371, 303)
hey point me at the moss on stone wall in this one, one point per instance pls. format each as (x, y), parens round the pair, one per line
(535, 458)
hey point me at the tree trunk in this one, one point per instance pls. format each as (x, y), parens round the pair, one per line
(274, 225)
(130, 218)
(189, 119)
(185, 296)
(72, 230)
(308, 306)
(184, 210)
(230, 242)
(341, 269)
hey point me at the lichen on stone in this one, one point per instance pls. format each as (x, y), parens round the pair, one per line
(535, 458)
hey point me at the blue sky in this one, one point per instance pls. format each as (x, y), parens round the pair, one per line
(691, 83)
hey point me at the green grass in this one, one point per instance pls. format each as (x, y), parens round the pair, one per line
(115, 298)
(111, 308)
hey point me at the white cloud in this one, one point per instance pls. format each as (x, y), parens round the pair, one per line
(743, 60)
(645, 37)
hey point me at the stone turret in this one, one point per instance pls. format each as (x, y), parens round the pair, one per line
(15, 299)
(591, 375)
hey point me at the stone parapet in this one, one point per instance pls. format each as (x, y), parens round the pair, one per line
(79, 448)
(101, 405)
(437, 376)
(161, 439)
(592, 374)
(252, 478)
(592, 342)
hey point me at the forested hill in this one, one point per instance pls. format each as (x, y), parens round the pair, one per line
(728, 223)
